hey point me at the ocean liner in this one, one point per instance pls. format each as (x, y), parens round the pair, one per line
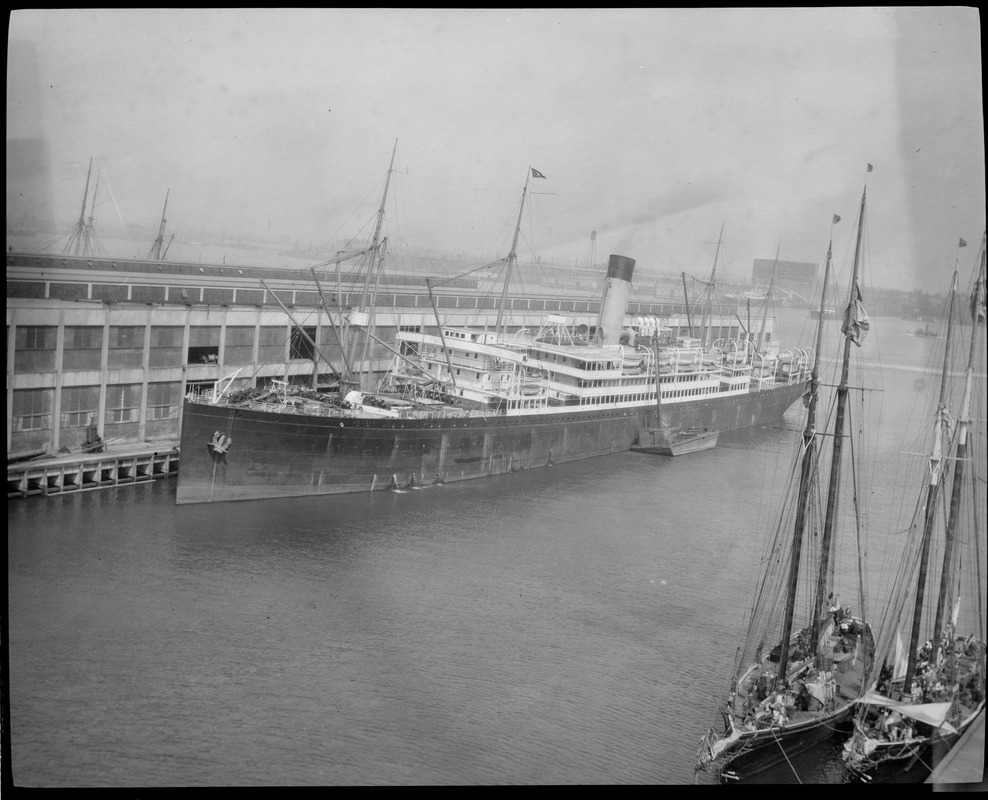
(462, 403)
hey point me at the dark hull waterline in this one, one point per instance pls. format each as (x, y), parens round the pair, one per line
(772, 748)
(274, 454)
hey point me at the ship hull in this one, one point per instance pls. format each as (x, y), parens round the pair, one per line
(275, 454)
(905, 763)
(756, 757)
(911, 761)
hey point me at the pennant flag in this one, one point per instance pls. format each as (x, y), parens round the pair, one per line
(856, 322)
(836, 219)
(978, 300)
(536, 173)
(870, 168)
(962, 243)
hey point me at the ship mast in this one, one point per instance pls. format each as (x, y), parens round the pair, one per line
(155, 254)
(379, 255)
(689, 321)
(941, 431)
(833, 487)
(512, 258)
(807, 467)
(768, 296)
(78, 239)
(374, 266)
(961, 455)
(90, 239)
(658, 381)
(347, 376)
(707, 318)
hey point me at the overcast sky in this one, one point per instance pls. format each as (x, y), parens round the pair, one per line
(653, 127)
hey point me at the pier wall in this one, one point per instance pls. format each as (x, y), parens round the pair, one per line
(80, 473)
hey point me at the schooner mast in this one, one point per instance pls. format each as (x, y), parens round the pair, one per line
(809, 464)
(937, 471)
(961, 456)
(833, 488)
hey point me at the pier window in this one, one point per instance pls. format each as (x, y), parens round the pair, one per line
(163, 399)
(126, 346)
(31, 423)
(239, 345)
(204, 344)
(166, 346)
(36, 337)
(123, 403)
(386, 333)
(34, 348)
(83, 347)
(80, 406)
(271, 344)
(123, 412)
(329, 344)
(300, 346)
(310, 299)
(161, 419)
(32, 409)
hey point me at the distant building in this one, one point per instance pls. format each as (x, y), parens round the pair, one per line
(798, 277)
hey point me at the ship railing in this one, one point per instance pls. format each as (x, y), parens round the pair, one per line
(760, 384)
(326, 410)
(794, 365)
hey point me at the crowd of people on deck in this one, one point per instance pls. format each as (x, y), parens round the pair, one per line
(893, 727)
(953, 672)
(768, 703)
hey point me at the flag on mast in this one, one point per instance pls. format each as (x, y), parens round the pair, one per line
(836, 219)
(978, 299)
(536, 173)
(856, 322)
(962, 243)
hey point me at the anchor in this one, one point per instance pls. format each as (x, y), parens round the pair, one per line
(220, 444)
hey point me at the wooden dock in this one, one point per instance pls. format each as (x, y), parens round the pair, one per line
(81, 472)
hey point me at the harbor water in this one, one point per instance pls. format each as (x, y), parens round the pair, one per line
(570, 625)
